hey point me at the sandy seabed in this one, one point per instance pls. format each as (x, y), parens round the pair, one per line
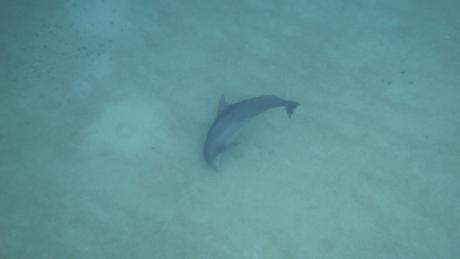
(105, 105)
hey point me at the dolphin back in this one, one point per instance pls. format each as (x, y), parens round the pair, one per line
(251, 107)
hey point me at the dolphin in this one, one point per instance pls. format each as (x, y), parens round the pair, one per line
(232, 117)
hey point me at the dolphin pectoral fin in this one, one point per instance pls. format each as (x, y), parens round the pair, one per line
(229, 145)
(221, 148)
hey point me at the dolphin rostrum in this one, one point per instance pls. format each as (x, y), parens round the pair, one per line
(232, 117)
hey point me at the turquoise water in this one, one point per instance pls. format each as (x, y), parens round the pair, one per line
(105, 106)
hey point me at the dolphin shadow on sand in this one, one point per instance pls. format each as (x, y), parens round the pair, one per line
(232, 117)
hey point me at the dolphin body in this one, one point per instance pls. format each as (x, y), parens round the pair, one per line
(232, 117)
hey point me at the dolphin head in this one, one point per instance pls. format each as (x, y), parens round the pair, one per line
(212, 155)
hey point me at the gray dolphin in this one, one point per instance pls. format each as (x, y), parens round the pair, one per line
(232, 117)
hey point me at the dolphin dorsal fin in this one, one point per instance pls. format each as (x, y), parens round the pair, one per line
(223, 105)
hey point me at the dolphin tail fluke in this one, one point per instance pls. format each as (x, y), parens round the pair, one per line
(290, 107)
